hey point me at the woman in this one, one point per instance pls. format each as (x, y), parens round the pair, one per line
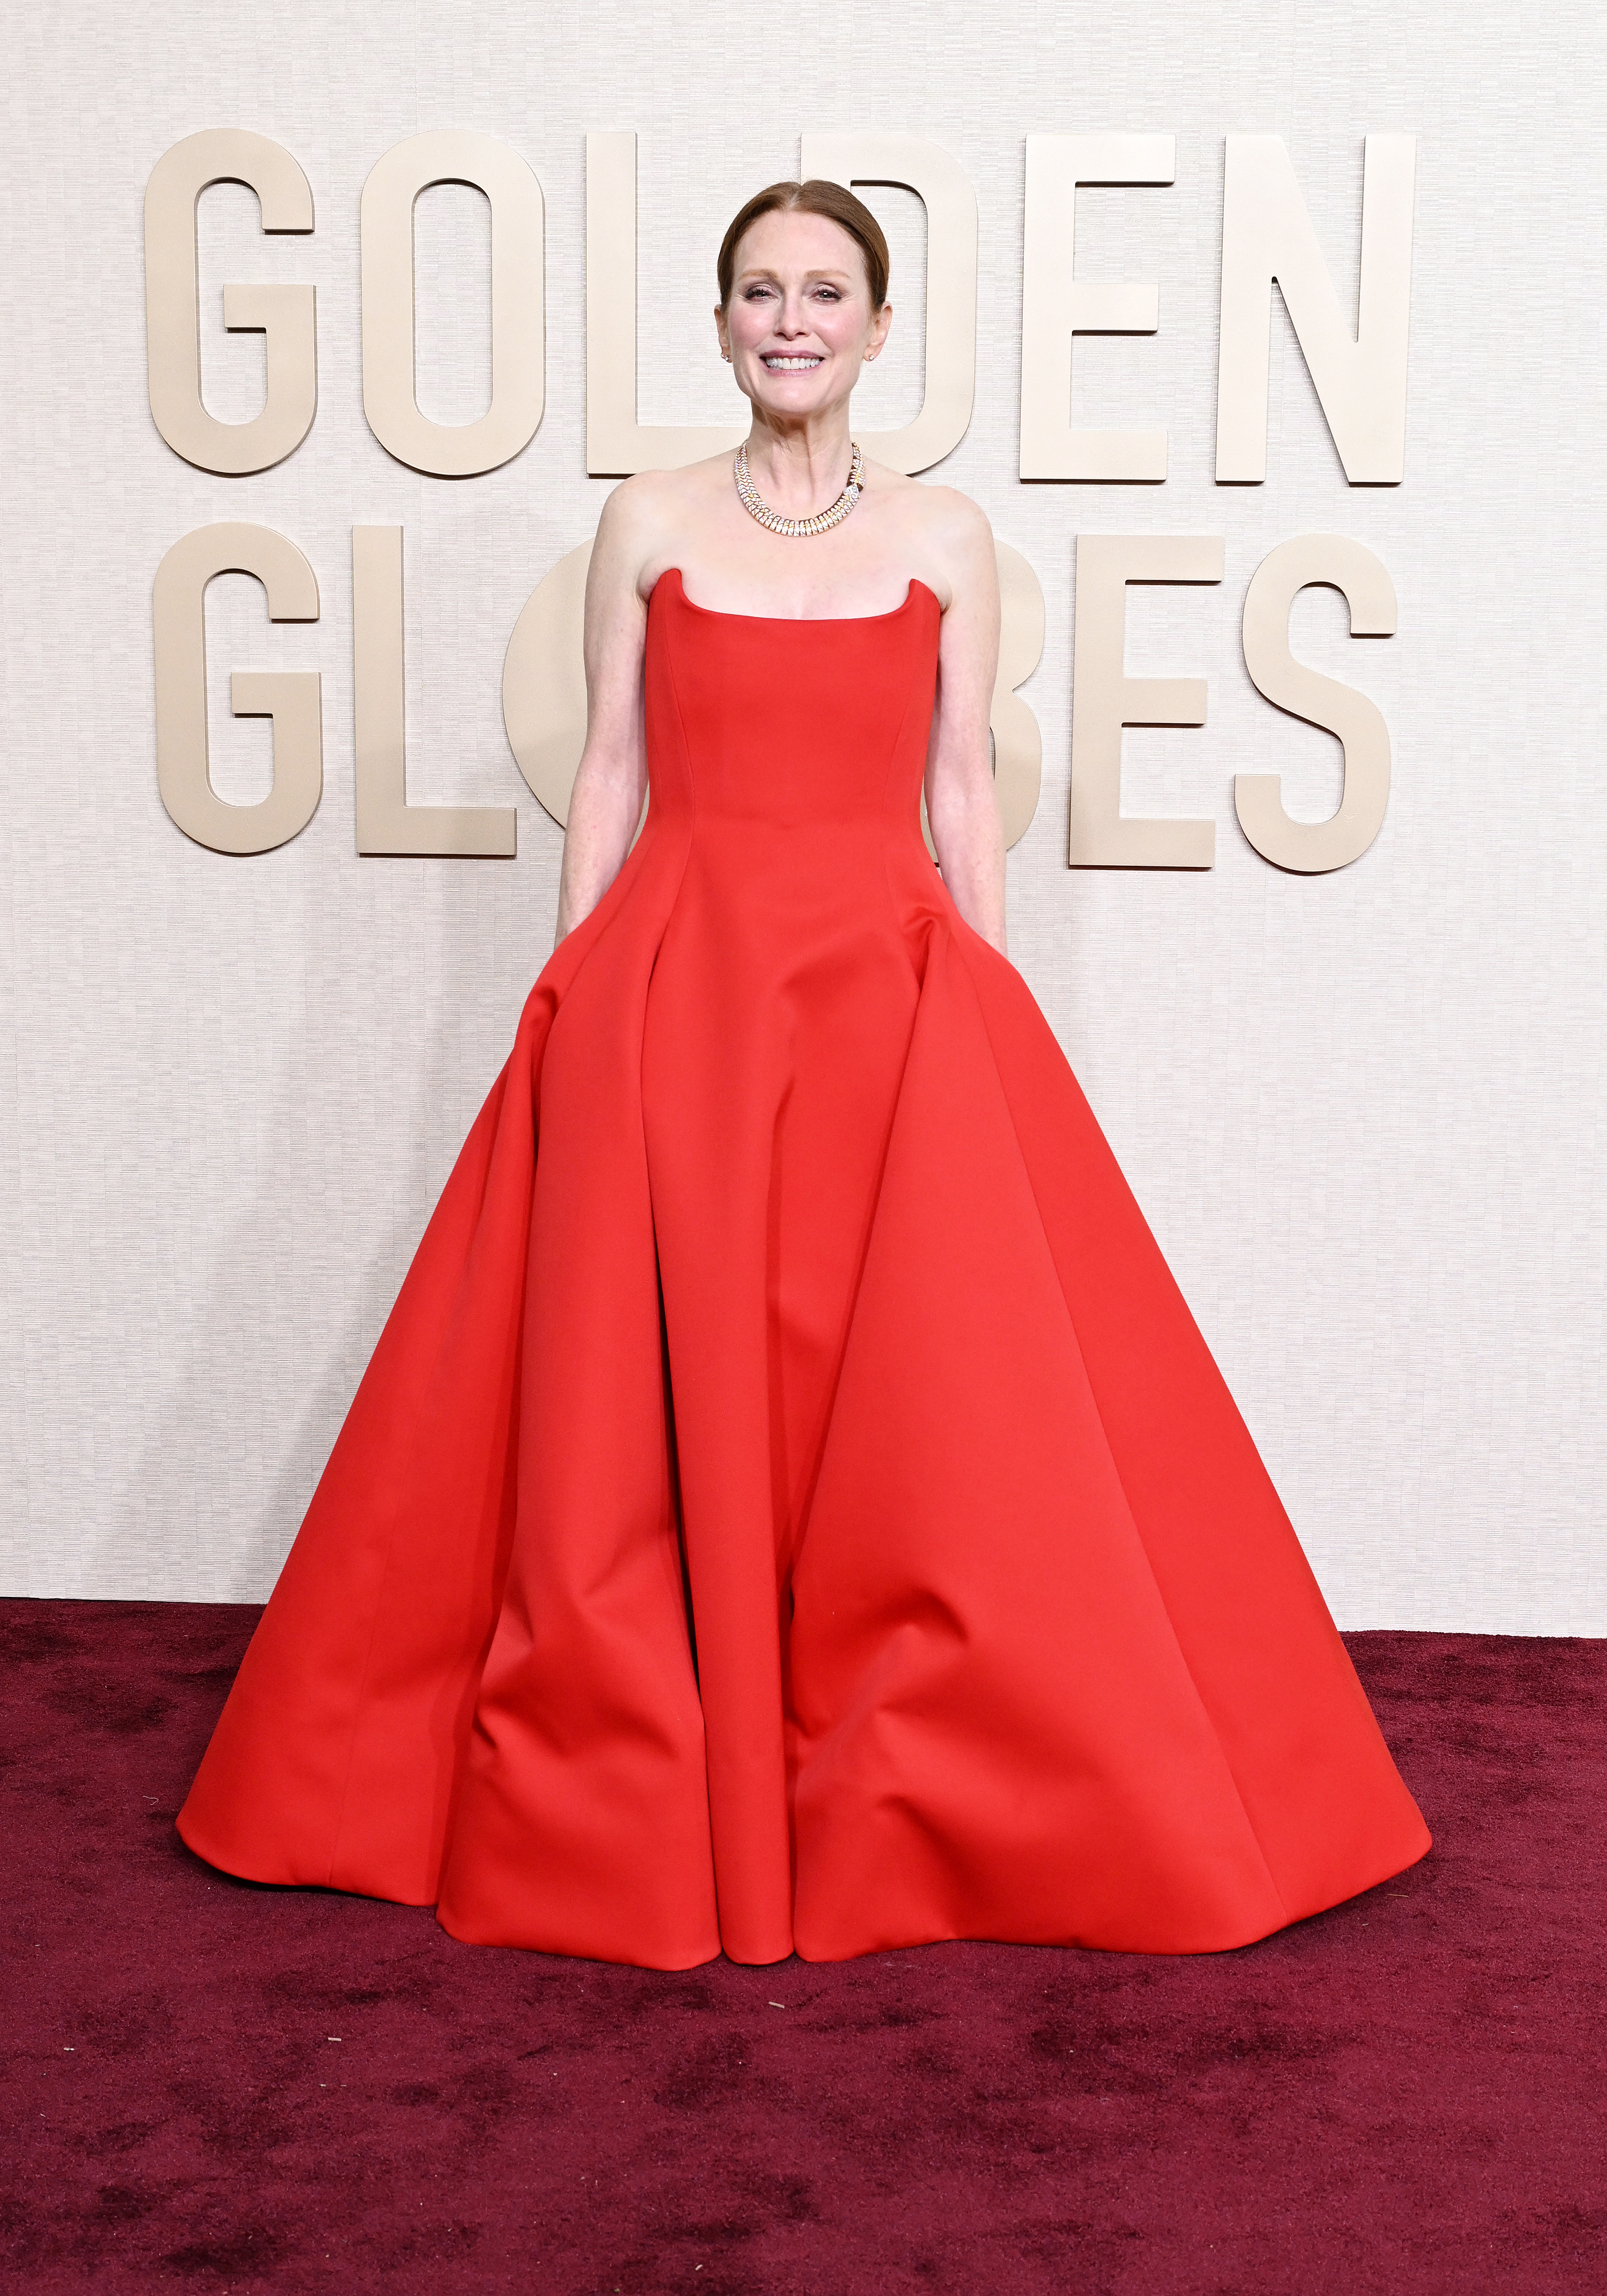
(789, 1506)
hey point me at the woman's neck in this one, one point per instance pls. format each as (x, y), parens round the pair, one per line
(801, 467)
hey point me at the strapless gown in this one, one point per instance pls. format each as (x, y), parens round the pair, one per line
(790, 1507)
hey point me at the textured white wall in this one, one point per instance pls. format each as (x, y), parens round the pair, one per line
(1359, 1110)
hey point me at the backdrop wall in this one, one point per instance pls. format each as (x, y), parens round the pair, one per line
(1359, 1109)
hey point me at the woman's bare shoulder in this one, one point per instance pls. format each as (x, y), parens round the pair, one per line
(940, 515)
(954, 516)
(946, 536)
(648, 514)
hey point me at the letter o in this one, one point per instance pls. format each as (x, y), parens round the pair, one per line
(449, 450)
(544, 683)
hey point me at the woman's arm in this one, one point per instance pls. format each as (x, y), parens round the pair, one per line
(960, 803)
(612, 780)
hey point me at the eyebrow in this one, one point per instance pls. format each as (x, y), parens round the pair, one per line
(820, 271)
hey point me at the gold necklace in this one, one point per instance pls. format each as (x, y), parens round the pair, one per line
(756, 507)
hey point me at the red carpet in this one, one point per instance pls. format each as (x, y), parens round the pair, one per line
(1404, 2094)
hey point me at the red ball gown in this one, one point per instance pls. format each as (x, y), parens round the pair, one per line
(790, 1507)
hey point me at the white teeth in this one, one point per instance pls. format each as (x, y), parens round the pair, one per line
(780, 366)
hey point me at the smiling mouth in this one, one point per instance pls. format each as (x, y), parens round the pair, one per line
(790, 362)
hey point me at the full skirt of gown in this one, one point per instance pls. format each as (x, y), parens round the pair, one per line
(790, 1507)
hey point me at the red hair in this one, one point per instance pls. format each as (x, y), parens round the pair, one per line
(817, 197)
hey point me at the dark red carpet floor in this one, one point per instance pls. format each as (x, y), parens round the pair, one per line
(217, 2087)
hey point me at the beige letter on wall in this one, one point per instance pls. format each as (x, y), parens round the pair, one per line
(453, 450)
(615, 443)
(1360, 378)
(1104, 699)
(1056, 306)
(543, 687)
(291, 698)
(386, 821)
(285, 314)
(1312, 847)
(1018, 745)
(544, 683)
(885, 156)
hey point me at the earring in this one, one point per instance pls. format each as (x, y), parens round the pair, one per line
(724, 354)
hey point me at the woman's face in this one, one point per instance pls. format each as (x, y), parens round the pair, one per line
(800, 327)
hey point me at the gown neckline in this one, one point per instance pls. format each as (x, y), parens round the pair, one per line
(789, 621)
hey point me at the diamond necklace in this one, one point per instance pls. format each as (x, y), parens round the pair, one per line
(755, 505)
